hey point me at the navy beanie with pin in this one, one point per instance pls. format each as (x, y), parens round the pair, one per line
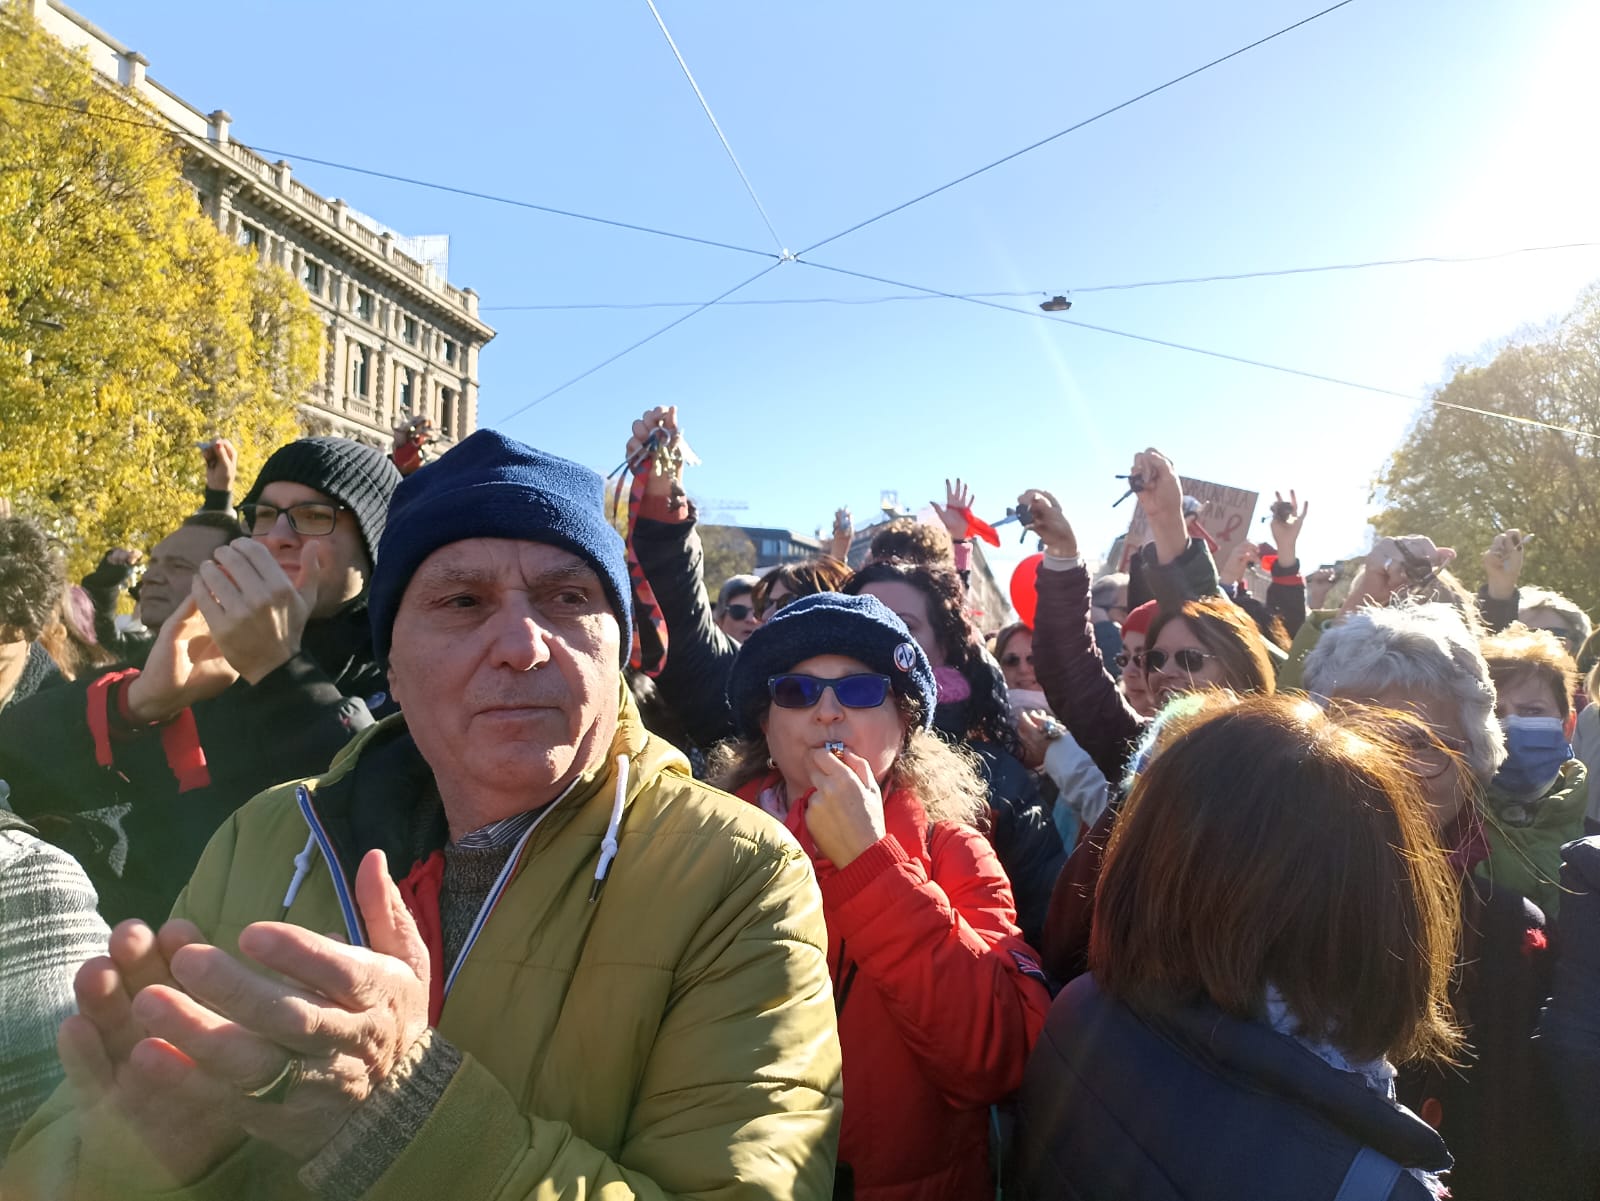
(491, 486)
(829, 623)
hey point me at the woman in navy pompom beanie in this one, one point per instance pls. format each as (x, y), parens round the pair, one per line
(939, 997)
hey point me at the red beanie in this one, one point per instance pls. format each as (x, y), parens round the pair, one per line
(1138, 621)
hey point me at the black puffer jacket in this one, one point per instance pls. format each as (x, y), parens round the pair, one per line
(1020, 829)
(693, 684)
(137, 806)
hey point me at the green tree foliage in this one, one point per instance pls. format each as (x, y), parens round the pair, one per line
(1461, 478)
(729, 552)
(130, 328)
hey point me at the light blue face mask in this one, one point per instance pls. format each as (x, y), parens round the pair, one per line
(1536, 750)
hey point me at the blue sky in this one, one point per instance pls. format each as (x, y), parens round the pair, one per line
(1387, 129)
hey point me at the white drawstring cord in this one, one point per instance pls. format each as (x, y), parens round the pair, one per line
(302, 869)
(608, 844)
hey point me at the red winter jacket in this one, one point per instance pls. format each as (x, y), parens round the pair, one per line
(939, 1001)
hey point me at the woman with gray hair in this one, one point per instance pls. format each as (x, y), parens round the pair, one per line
(1424, 660)
(1420, 658)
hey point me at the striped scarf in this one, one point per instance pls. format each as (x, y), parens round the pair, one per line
(649, 653)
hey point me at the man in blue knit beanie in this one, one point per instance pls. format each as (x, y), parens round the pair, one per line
(513, 947)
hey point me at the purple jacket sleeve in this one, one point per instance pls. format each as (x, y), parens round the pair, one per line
(1073, 676)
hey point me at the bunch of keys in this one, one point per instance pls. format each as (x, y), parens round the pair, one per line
(1023, 515)
(836, 749)
(1135, 484)
(668, 459)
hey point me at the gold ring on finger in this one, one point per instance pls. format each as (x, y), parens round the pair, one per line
(276, 1091)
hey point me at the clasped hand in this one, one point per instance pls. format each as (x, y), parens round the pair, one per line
(172, 1032)
(243, 617)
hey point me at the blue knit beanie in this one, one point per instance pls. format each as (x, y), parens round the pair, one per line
(490, 486)
(829, 623)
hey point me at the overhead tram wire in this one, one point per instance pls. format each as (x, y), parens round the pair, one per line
(1151, 283)
(705, 105)
(1211, 354)
(269, 152)
(689, 304)
(539, 400)
(1216, 62)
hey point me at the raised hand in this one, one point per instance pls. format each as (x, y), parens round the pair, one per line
(645, 459)
(1286, 529)
(1318, 584)
(1050, 524)
(1502, 563)
(956, 497)
(257, 615)
(1161, 498)
(185, 666)
(844, 532)
(1393, 566)
(1240, 560)
(222, 465)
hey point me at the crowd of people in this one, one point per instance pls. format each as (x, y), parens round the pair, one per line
(418, 834)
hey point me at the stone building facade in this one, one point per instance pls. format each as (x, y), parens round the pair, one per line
(401, 340)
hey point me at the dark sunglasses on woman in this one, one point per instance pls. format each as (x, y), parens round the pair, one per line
(796, 691)
(1186, 660)
(767, 608)
(739, 612)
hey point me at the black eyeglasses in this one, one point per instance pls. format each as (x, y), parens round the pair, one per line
(1012, 659)
(311, 519)
(738, 612)
(1186, 660)
(795, 691)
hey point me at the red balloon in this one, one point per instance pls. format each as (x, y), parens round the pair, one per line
(1025, 588)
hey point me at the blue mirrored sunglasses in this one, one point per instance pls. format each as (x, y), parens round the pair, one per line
(796, 691)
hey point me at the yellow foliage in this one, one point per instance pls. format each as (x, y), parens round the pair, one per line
(1461, 478)
(130, 328)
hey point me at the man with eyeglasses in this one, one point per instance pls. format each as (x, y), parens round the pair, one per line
(262, 672)
(512, 949)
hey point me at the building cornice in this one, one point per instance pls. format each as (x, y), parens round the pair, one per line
(269, 186)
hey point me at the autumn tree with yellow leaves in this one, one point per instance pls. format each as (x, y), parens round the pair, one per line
(1463, 474)
(130, 328)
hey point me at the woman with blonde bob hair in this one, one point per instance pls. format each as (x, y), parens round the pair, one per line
(1274, 925)
(938, 997)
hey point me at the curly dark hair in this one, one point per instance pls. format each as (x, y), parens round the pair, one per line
(33, 578)
(907, 540)
(988, 718)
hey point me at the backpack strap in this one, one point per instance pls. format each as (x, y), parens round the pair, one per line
(1371, 1177)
